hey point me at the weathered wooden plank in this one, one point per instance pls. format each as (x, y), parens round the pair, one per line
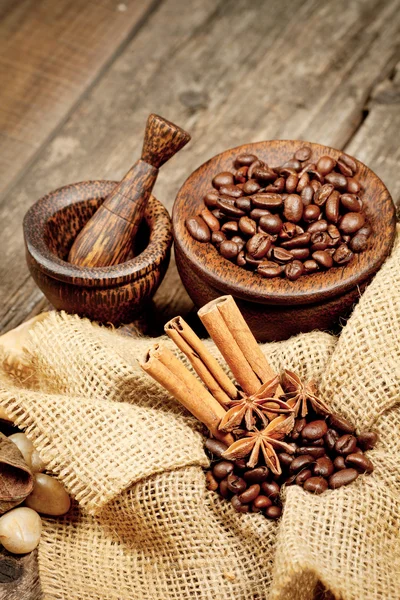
(50, 52)
(229, 73)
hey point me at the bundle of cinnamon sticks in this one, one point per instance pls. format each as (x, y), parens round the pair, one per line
(208, 401)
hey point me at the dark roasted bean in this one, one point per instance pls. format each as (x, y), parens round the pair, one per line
(303, 182)
(223, 178)
(267, 200)
(231, 190)
(287, 171)
(256, 475)
(288, 231)
(320, 241)
(211, 483)
(334, 235)
(332, 207)
(239, 241)
(342, 255)
(365, 230)
(320, 225)
(293, 208)
(271, 223)
(357, 450)
(291, 183)
(314, 430)
(247, 226)
(339, 463)
(300, 253)
(218, 214)
(269, 269)
(298, 241)
(299, 425)
(338, 180)
(323, 194)
(358, 243)
(230, 227)
(360, 462)
(323, 258)
(241, 174)
(311, 266)
(300, 462)
(293, 163)
(273, 512)
(264, 174)
(307, 195)
(257, 213)
(229, 210)
(285, 459)
(215, 447)
(317, 442)
(236, 484)
(210, 199)
(252, 262)
(316, 485)
(262, 502)
(353, 186)
(238, 506)
(250, 494)
(229, 249)
(303, 476)
(277, 186)
(210, 220)
(367, 439)
(344, 169)
(223, 489)
(270, 489)
(315, 185)
(345, 444)
(323, 466)
(240, 259)
(281, 255)
(243, 204)
(198, 229)
(311, 213)
(331, 437)
(303, 153)
(245, 160)
(294, 270)
(349, 161)
(251, 187)
(314, 451)
(222, 469)
(326, 164)
(258, 245)
(255, 165)
(217, 237)
(241, 464)
(341, 423)
(342, 477)
(351, 202)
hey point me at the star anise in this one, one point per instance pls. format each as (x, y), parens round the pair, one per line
(262, 404)
(301, 393)
(265, 440)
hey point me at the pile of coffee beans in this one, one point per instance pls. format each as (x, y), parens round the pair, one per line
(326, 454)
(289, 221)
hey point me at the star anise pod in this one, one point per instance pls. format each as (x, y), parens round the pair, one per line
(262, 403)
(265, 440)
(300, 394)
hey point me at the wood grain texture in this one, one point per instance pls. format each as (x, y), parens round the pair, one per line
(50, 53)
(286, 70)
(19, 576)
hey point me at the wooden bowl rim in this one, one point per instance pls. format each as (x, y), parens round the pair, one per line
(275, 291)
(153, 255)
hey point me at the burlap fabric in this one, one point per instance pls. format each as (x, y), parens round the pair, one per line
(143, 526)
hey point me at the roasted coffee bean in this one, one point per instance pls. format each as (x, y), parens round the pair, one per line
(331, 437)
(367, 439)
(339, 463)
(273, 512)
(334, 235)
(241, 464)
(307, 195)
(351, 202)
(345, 444)
(241, 175)
(218, 214)
(342, 255)
(298, 241)
(317, 176)
(281, 255)
(217, 237)
(229, 249)
(261, 502)
(292, 163)
(314, 451)
(365, 230)
(317, 442)
(263, 174)
(293, 208)
(238, 506)
(357, 450)
(342, 477)
(257, 213)
(332, 207)
(223, 178)
(311, 266)
(326, 164)
(251, 187)
(344, 169)
(224, 490)
(198, 229)
(243, 204)
(271, 223)
(247, 226)
(257, 164)
(314, 430)
(311, 213)
(300, 253)
(250, 494)
(232, 191)
(229, 210)
(236, 484)
(287, 172)
(300, 462)
(240, 259)
(245, 160)
(353, 186)
(294, 270)
(288, 231)
(338, 180)
(323, 466)
(320, 225)
(341, 423)
(303, 476)
(211, 482)
(231, 227)
(320, 241)
(303, 153)
(360, 462)
(323, 194)
(299, 230)
(258, 245)
(291, 184)
(303, 182)
(285, 459)
(351, 222)
(271, 489)
(269, 269)
(257, 475)
(210, 220)
(277, 186)
(299, 425)
(267, 201)
(210, 199)
(349, 161)
(252, 262)
(323, 258)
(358, 243)
(222, 469)
(316, 485)
(216, 447)
(239, 241)
(315, 185)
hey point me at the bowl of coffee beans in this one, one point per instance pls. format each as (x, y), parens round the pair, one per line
(293, 230)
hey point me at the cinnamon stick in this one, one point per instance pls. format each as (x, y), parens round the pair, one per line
(205, 365)
(227, 327)
(165, 368)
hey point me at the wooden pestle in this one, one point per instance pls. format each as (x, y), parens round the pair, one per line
(107, 237)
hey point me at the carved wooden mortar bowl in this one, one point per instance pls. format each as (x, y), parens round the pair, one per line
(277, 308)
(115, 294)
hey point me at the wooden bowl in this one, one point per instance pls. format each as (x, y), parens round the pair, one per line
(277, 308)
(115, 294)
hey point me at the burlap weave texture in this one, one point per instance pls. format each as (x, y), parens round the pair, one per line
(143, 525)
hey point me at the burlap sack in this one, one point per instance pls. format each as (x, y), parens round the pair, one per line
(143, 525)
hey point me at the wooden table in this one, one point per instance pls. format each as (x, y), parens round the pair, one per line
(79, 79)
